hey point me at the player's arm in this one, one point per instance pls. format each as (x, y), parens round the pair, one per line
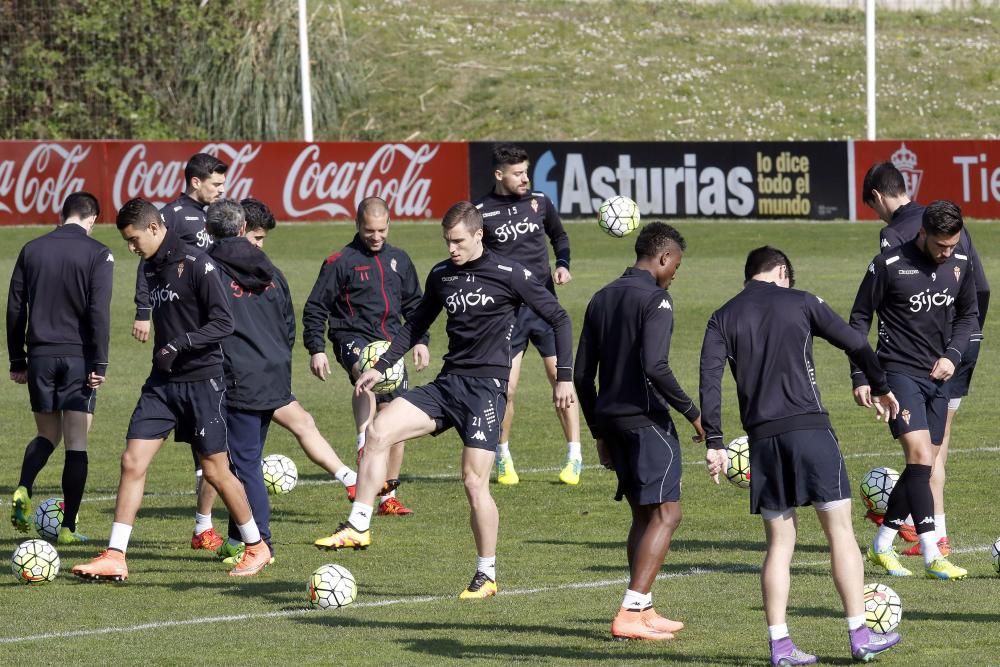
(711, 368)
(409, 300)
(964, 324)
(982, 284)
(657, 326)
(288, 306)
(540, 300)
(316, 316)
(212, 295)
(560, 242)
(17, 321)
(99, 313)
(866, 303)
(585, 370)
(413, 331)
(143, 307)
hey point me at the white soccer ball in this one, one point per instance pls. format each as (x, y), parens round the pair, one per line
(280, 474)
(995, 553)
(48, 518)
(618, 216)
(332, 586)
(35, 562)
(738, 469)
(876, 486)
(883, 608)
(393, 376)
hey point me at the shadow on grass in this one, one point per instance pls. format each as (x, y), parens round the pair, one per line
(909, 614)
(680, 544)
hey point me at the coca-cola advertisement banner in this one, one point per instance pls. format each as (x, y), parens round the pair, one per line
(298, 181)
(699, 179)
(966, 172)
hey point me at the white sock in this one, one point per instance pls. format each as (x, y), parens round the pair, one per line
(776, 632)
(883, 538)
(249, 532)
(120, 534)
(909, 520)
(199, 477)
(928, 546)
(488, 566)
(361, 440)
(635, 601)
(202, 522)
(939, 526)
(360, 516)
(346, 476)
(855, 622)
(573, 451)
(503, 449)
(391, 494)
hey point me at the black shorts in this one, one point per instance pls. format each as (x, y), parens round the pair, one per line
(59, 383)
(958, 385)
(796, 469)
(194, 411)
(531, 327)
(923, 406)
(347, 350)
(474, 406)
(647, 461)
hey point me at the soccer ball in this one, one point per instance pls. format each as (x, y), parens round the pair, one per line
(876, 486)
(393, 376)
(280, 474)
(738, 470)
(995, 552)
(49, 517)
(618, 216)
(332, 586)
(35, 562)
(883, 608)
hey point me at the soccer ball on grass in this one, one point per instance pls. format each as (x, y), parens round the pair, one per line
(883, 608)
(332, 586)
(393, 376)
(280, 474)
(35, 562)
(618, 216)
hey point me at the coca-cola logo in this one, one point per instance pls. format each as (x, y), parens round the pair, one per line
(162, 181)
(393, 172)
(45, 178)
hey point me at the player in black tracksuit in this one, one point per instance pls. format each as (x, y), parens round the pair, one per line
(58, 328)
(924, 294)
(520, 224)
(625, 342)
(361, 295)
(765, 334)
(185, 391)
(481, 293)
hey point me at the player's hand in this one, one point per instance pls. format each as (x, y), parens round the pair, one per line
(20, 377)
(140, 330)
(319, 365)
(699, 431)
(604, 454)
(367, 380)
(863, 396)
(421, 356)
(562, 275)
(886, 407)
(716, 461)
(563, 395)
(94, 380)
(943, 369)
(166, 356)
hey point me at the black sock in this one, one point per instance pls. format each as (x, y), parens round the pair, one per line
(36, 455)
(74, 478)
(899, 501)
(921, 500)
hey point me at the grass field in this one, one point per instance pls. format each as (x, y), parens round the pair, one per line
(561, 559)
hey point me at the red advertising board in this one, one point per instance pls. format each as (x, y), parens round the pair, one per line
(298, 181)
(966, 172)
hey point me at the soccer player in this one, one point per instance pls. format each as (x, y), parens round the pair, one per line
(59, 308)
(925, 296)
(360, 295)
(184, 391)
(204, 182)
(481, 293)
(626, 343)
(516, 222)
(766, 332)
(884, 191)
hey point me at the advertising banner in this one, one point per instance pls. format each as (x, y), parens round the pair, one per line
(298, 181)
(805, 179)
(966, 172)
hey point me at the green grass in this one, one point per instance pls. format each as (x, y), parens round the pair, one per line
(646, 70)
(561, 559)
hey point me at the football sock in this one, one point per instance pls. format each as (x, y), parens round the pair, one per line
(74, 479)
(202, 522)
(909, 520)
(391, 494)
(899, 500)
(361, 440)
(883, 538)
(487, 566)
(503, 449)
(249, 532)
(776, 632)
(635, 601)
(573, 451)
(346, 476)
(921, 500)
(360, 516)
(855, 622)
(928, 546)
(36, 455)
(120, 534)
(939, 526)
